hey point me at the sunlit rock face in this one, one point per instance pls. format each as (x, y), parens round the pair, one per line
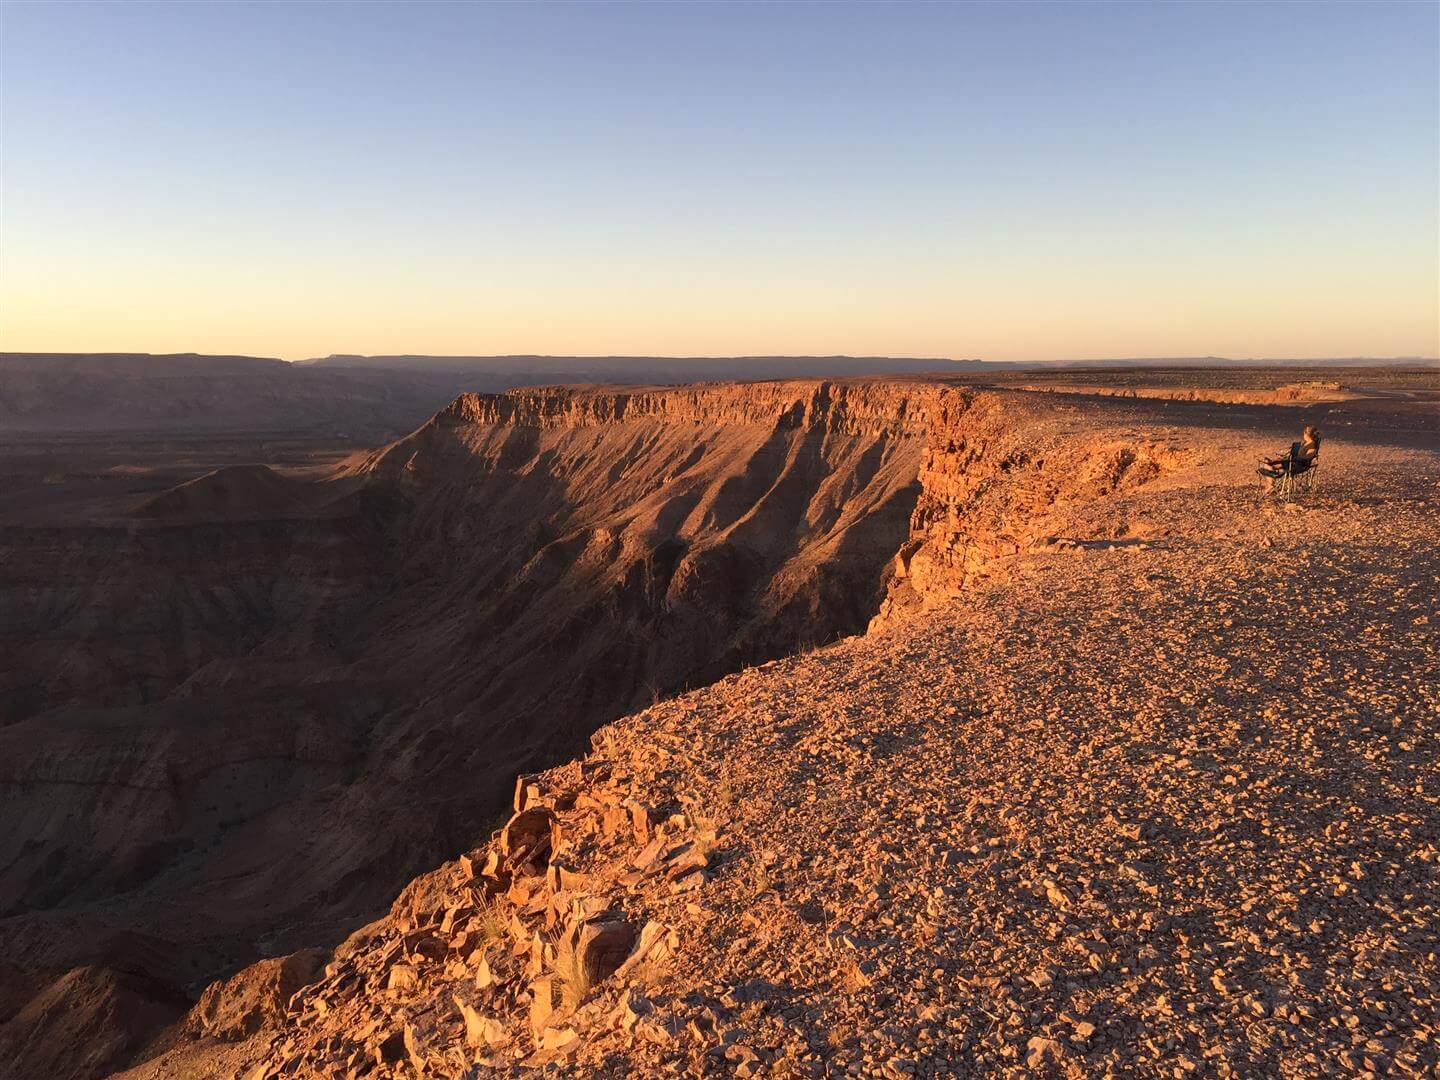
(241, 716)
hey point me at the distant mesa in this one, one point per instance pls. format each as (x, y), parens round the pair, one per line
(366, 399)
(370, 399)
(538, 369)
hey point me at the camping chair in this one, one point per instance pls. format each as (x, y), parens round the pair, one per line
(1296, 475)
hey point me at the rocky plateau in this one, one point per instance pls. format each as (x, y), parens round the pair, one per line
(852, 727)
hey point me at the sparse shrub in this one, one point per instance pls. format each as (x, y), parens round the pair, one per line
(571, 973)
(726, 792)
(851, 976)
(646, 973)
(489, 923)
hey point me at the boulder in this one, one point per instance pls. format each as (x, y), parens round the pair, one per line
(542, 1004)
(602, 945)
(631, 1010)
(403, 978)
(525, 840)
(655, 942)
(643, 820)
(527, 791)
(481, 1030)
(239, 1006)
(560, 1039)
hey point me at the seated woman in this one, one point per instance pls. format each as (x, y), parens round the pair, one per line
(1302, 456)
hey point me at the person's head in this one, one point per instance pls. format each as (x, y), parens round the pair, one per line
(1311, 436)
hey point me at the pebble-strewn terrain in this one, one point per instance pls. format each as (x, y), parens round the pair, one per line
(1156, 794)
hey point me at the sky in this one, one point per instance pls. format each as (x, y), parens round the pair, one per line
(1006, 181)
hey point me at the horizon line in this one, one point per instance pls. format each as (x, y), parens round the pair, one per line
(698, 357)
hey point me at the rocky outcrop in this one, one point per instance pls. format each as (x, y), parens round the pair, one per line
(533, 942)
(1000, 477)
(849, 408)
(87, 1023)
(255, 996)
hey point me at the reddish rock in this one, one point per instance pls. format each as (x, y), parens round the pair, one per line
(255, 995)
(527, 792)
(525, 840)
(542, 1004)
(602, 945)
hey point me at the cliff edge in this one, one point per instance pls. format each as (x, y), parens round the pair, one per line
(1077, 807)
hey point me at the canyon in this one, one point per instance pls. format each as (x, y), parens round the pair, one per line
(244, 713)
(238, 713)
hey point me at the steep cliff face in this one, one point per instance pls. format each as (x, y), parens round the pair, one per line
(851, 408)
(245, 716)
(1001, 476)
(242, 718)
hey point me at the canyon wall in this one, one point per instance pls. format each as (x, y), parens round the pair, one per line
(1002, 475)
(243, 717)
(238, 726)
(591, 866)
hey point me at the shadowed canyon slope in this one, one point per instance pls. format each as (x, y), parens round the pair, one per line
(240, 717)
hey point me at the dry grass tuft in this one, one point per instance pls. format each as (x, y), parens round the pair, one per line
(571, 973)
(489, 923)
(727, 792)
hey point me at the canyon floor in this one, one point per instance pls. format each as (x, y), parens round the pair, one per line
(1134, 773)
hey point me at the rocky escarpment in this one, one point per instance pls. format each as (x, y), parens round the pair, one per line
(1001, 477)
(237, 730)
(328, 687)
(848, 408)
(994, 473)
(1084, 820)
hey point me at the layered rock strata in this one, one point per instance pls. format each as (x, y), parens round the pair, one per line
(229, 738)
(1085, 819)
(337, 686)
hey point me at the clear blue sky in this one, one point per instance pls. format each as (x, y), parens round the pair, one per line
(999, 180)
